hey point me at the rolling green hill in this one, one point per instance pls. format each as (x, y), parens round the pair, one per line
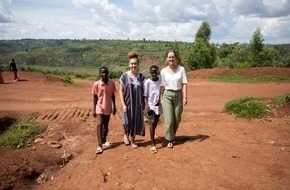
(84, 55)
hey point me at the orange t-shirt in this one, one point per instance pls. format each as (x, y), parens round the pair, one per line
(104, 93)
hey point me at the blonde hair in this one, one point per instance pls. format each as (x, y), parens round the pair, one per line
(133, 54)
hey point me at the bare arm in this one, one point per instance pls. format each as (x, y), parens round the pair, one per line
(162, 88)
(184, 91)
(95, 103)
(121, 96)
(114, 103)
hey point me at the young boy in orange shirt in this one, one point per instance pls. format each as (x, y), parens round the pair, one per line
(104, 96)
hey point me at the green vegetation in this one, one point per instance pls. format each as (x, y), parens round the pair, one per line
(20, 133)
(237, 78)
(282, 99)
(247, 107)
(87, 56)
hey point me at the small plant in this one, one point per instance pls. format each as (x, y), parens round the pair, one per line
(20, 133)
(66, 79)
(247, 107)
(282, 99)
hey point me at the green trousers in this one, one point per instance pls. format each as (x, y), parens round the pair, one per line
(172, 109)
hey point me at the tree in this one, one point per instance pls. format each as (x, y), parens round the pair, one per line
(256, 47)
(202, 54)
(204, 32)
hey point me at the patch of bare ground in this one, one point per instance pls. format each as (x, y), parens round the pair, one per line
(213, 150)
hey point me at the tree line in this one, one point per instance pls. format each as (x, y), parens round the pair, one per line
(199, 54)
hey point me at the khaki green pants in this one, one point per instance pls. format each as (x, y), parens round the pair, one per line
(172, 109)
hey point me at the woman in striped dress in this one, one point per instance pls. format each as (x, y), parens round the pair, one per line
(132, 100)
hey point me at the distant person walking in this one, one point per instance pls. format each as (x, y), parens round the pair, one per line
(13, 68)
(104, 100)
(173, 90)
(1, 76)
(132, 100)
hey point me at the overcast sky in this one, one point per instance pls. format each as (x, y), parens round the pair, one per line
(167, 20)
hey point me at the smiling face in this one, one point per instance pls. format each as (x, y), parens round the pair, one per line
(154, 73)
(104, 73)
(133, 65)
(170, 58)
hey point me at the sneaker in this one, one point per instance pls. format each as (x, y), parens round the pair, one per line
(107, 144)
(170, 145)
(134, 146)
(99, 150)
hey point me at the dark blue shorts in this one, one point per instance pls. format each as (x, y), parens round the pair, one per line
(153, 117)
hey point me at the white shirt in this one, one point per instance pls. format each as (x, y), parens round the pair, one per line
(173, 81)
(152, 92)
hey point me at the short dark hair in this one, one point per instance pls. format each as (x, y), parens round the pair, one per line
(154, 66)
(103, 67)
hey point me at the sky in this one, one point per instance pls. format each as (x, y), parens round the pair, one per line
(165, 20)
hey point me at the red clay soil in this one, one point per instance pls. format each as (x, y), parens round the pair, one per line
(213, 150)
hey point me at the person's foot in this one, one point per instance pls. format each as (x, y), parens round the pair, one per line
(134, 146)
(153, 150)
(126, 140)
(170, 145)
(99, 150)
(107, 144)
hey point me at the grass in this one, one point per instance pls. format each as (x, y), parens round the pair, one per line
(282, 99)
(247, 107)
(20, 133)
(237, 78)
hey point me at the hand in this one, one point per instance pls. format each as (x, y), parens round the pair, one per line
(125, 108)
(158, 103)
(184, 101)
(95, 115)
(147, 108)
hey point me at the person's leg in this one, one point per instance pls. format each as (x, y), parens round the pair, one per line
(105, 128)
(99, 133)
(152, 127)
(178, 109)
(133, 143)
(168, 115)
(14, 75)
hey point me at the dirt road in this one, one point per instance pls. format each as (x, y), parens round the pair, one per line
(213, 150)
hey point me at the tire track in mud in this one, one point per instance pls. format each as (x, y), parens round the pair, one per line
(63, 114)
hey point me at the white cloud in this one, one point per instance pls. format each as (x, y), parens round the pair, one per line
(169, 20)
(5, 13)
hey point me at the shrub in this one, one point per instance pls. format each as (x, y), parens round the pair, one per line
(18, 134)
(247, 107)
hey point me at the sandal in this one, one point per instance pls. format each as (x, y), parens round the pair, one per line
(153, 150)
(170, 145)
(126, 141)
(134, 146)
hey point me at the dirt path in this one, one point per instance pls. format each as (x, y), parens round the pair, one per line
(213, 150)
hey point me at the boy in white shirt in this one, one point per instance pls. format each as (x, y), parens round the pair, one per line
(151, 95)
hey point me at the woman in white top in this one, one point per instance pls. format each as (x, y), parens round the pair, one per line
(173, 95)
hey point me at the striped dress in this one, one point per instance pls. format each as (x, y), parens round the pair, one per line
(133, 98)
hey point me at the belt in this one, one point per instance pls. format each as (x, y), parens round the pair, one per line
(173, 90)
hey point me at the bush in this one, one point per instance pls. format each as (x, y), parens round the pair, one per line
(247, 107)
(242, 65)
(282, 99)
(66, 79)
(18, 134)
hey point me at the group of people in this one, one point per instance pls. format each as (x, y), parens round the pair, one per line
(166, 94)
